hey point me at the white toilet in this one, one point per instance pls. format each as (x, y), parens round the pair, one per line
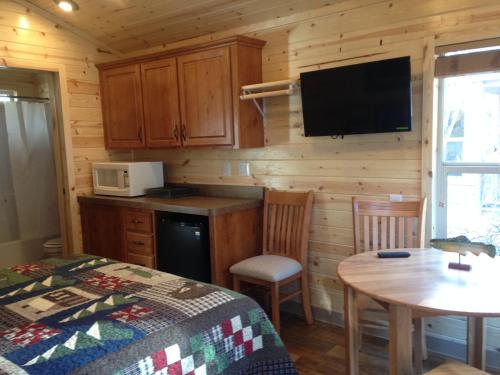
(52, 248)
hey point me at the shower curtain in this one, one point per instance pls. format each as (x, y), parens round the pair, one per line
(28, 192)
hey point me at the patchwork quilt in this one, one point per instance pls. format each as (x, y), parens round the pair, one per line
(92, 315)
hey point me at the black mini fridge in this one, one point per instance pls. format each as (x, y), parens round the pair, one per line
(183, 245)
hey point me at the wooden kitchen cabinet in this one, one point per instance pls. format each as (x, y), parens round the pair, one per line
(234, 236)
(161, 103)
(125, 229)
(140, 238)
(102, 231)
(122, 107)
(205, 93)
(119, 233)
(184, 97)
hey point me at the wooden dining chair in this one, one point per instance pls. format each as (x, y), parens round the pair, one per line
(380, 225)
(284, 251)
(455, 368)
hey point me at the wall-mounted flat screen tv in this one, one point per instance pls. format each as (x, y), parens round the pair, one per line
(373, 97)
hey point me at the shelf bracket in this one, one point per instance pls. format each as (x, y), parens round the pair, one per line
(277, 88)
(259, 108)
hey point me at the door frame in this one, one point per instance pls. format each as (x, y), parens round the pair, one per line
(429, 119)
(63, 148)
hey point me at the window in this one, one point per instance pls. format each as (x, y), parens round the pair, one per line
(468, 165)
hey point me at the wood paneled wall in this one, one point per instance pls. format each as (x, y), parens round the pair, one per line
(371, 166)
(24, 83)
(28, 39)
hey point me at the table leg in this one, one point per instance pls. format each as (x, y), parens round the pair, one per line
(476, 337)
(418, 344)
(351, 328)
(400, 340)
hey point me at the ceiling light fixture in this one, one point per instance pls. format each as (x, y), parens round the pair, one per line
(67, 5)
(23, 22)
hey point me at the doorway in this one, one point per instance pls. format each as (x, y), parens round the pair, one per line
(29, 181)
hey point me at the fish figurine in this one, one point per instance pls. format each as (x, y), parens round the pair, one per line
(462, 245)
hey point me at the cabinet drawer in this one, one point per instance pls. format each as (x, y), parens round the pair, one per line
(141, 260)
(141, 221)
(140, 243)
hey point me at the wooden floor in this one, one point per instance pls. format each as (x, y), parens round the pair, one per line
(319, 349)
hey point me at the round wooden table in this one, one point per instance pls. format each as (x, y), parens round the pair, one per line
(423, 282)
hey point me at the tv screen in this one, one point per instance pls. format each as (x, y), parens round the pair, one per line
(373, 97)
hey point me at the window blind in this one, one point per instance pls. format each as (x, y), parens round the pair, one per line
(467, 58)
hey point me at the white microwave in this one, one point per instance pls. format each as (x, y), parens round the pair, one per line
(126, 179)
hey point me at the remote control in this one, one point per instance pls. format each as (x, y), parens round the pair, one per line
(393, 254)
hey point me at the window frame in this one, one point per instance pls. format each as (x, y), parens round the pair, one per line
(445, 168)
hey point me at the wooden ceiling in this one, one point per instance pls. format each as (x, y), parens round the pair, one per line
(130, 25)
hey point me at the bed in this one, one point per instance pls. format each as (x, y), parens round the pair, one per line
(94, 315)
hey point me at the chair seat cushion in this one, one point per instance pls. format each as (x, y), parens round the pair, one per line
(267, 267)
(455, 368)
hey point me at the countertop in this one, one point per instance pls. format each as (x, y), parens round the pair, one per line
(194, 205)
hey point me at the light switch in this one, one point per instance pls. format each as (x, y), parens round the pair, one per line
(244, 169)
(395, 197)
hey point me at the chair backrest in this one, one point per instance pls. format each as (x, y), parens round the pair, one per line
(286, 224)
(388, 225)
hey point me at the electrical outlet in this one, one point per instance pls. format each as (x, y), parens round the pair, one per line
(395, 197)
(244, 169)
(227, 169)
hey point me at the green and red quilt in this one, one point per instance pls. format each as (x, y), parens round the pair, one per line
(94, 315)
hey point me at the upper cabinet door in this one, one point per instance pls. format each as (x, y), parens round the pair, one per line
(161, 103)
(205, 97)
(122, 107)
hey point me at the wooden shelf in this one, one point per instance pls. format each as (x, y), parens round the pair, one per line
(268, 90)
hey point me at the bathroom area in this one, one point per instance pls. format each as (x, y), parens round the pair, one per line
(29, 211)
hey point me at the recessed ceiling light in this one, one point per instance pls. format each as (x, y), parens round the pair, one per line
(23, 22)
(67, 5)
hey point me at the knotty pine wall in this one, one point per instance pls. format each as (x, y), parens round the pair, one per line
(371, 166)
(24, 83)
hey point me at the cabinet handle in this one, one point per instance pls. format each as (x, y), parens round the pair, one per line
(138, 243)
(135, 221)
(184, 136)
(139, 134)
(176, 133)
